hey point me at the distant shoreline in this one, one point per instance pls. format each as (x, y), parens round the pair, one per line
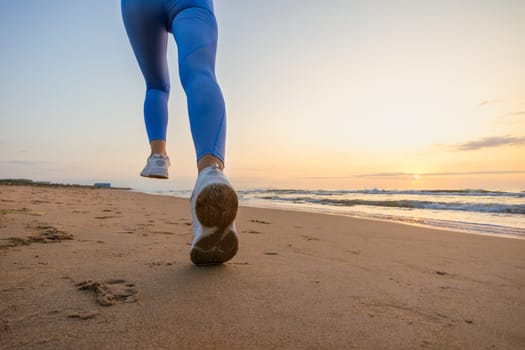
(29, 182)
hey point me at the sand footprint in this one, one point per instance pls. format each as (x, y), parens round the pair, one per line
(253, 232)
(310, 238)
(46, 234)
(83, 314)
(260, 221)
(111, 291)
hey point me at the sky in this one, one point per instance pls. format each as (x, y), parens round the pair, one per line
(338, 94)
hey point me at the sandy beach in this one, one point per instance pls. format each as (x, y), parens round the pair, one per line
(92, 268)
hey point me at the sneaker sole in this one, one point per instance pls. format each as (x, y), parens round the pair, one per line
(155, 176)
(216, 206)
(216, 248)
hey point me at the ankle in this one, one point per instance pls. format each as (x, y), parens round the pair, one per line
(158, 147)
(209, 160)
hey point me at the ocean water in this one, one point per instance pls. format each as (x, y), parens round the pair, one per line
(474, 211)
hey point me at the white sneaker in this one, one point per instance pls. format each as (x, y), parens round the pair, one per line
(156, 167)
(213, 208)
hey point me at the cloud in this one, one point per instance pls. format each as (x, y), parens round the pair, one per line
(403, 175)
(490, 101)
(20, 162)
(449, 173)
(393, 174)
(513, 114)
(487, 142)
(481, 172)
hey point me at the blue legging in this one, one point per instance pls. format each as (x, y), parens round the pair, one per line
(194, 27)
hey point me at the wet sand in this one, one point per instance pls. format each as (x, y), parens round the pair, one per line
(109, 269)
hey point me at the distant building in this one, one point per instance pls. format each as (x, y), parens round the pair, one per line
(102, 185)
